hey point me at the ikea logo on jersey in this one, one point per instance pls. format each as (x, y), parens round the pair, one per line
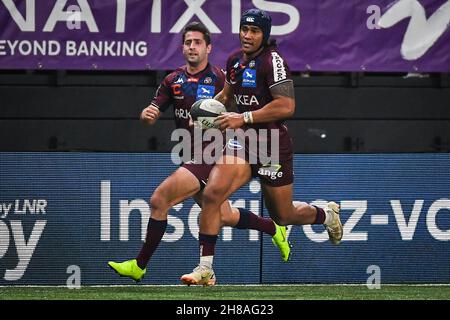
(249, 78)
(205, 92)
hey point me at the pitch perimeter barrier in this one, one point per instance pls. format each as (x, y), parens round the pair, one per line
(64, 215)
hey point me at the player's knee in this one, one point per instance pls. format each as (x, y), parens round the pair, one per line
(158, 203)
(212, 196)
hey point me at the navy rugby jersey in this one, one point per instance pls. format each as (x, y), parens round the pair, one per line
(182, 89)
(251, 82)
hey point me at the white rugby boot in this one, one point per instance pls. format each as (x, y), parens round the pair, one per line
(334, 228)
(201, 275)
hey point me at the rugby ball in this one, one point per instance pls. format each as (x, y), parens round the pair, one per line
(204, 112)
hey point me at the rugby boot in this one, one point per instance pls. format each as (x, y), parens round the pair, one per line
(128, 269)
(334, 228)
(201, 275)
(280, 240)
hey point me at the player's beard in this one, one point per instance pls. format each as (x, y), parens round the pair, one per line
(195, 61)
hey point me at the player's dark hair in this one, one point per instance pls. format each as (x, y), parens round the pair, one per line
(200, 27)
(271, 42)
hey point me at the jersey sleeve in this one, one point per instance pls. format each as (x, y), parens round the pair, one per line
(163, 96)
(277, 71)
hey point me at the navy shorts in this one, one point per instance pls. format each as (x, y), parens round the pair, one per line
(200, 171)
(274, 175)
(271, 174)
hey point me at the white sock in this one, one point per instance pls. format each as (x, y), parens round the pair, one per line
(328, 217)
(206, 261)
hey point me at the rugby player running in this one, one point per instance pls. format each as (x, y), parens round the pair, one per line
(259, 81)
(195, 80)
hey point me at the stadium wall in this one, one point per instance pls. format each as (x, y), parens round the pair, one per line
(99, 111)
(63, 211)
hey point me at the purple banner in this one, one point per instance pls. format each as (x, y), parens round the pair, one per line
(329, 35)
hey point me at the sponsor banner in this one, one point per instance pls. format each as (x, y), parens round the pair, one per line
(383, 35)
(63, 216)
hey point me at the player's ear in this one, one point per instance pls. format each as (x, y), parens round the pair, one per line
(208, 48)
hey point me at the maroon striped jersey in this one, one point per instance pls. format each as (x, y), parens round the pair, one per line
(251, 82)
(181, 89)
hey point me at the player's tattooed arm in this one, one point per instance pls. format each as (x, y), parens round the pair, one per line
(281, 107)
(283, 89)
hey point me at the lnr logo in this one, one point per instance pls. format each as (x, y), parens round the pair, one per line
(24, 247)
(421, 33)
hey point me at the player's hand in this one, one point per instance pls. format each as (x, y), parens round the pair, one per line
(150, 114)
(192, 124)
(230, 120)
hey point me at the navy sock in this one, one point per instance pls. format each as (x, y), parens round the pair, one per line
(320, 217)
(249, 220)
(155, 232)
(207, 244)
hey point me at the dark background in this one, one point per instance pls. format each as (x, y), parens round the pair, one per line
(335, 113)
